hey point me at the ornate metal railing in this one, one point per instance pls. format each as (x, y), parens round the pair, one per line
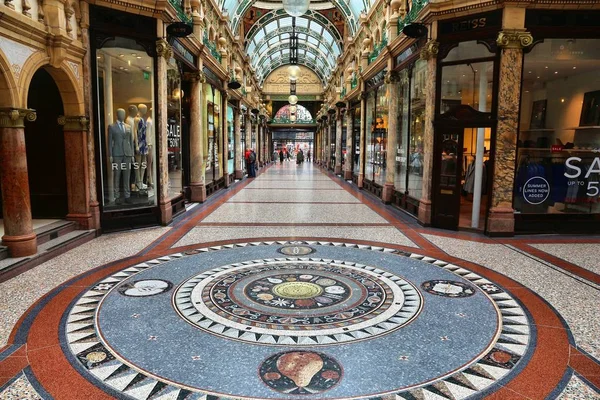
(377, 49)
(178, 6)
(411, 16)
(354, 81)
(212, 47)
(343, 93)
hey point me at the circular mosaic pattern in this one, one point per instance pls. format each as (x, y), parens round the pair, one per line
(296, 250)
(296, 291)
(476, 342)
(448, 288)
(300, 372)
(347, 302)
(144, 288)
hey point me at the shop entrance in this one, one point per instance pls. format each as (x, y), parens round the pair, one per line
(462, 169)
(45, 146)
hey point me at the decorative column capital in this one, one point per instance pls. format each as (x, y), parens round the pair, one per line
(196, 76)
(514, 39)
(392, 77)
(430, 50)
(163, 49)
(74, 123)
(15, 117)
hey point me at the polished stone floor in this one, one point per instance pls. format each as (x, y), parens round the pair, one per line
(295, 285)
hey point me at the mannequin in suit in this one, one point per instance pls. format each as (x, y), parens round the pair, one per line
(132, 120)
(120, 152)
(141, 146)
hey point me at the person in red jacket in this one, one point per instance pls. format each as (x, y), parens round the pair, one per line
(247, 158)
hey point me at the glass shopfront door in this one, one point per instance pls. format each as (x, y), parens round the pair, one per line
(447, 179)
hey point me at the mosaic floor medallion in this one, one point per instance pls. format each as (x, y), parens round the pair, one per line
(300, 372)
(297, 302)
(347, 321)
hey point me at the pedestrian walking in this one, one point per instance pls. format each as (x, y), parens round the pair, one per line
(281, 156)
(252, 159)
(308, 156)
(247, 158)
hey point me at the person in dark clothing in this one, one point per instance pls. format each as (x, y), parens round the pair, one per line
(252, 159)
(281, 156)
(308, 156)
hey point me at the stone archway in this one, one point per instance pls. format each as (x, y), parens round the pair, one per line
(75, 128)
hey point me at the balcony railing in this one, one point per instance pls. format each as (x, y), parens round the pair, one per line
(178, 5)
(212, 47)
(377, 49)
(411, 16)
(354, 82)
(286, 120)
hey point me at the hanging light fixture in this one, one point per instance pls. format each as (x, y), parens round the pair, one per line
(296, 8)
(294, 71)
(292, 109)
(292, 118)
(293, 99)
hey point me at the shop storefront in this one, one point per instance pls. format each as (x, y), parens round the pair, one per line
(465, 122)
(230, 135)
(557, 172)
(213, 138)
(355, 149)
(376, 126)
(124, 83)
(411, 72)
(179, 68)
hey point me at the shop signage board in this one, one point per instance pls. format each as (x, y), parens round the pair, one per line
(471, 23)
(173, 135)
(584, 176)
(183, 53)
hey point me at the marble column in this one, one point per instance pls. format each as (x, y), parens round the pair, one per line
(248, 134)
(225, 138)
(94, 205)
(428, 53)
(164, 53)
(197, 172)
(338, 143)
(18, 227)
(239, 151)
(257, 140)
(501, 219)
(391, 81)
(362, 155)
(75, 129)
(349, 149)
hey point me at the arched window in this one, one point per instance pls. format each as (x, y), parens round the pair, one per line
(303, 116)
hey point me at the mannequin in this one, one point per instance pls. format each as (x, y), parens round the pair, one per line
(132, 120)
(150, 156)
(141, 147)
(120, 153)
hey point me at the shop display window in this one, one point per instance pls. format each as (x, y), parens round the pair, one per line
(174, 128)
(380, 135)
(213, 139)
(402, 155)
(558, 157)
(356, 132)
(417, 129)
(344, 139)
(125, 73)
(370, 126)
(230, 140)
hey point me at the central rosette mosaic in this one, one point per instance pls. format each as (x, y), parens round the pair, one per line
(302, 291)
(297, 302)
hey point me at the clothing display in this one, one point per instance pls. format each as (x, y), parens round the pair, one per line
(469, 185)
(121, 152)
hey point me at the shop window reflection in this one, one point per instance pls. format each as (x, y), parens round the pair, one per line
(174, 128)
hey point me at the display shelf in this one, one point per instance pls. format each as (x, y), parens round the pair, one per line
(581, 128)
(563, 150)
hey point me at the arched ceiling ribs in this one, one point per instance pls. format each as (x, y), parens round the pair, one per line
(264, 70)
(350, 10)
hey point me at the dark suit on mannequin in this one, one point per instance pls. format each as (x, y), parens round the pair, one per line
(120, 145)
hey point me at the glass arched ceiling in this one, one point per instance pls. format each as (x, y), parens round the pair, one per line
(302, 115)
(268, 39)
(350, 9)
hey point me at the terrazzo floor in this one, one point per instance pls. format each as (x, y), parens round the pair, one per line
(295, 285)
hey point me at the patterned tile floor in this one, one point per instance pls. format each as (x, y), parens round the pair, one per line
(295, 285)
